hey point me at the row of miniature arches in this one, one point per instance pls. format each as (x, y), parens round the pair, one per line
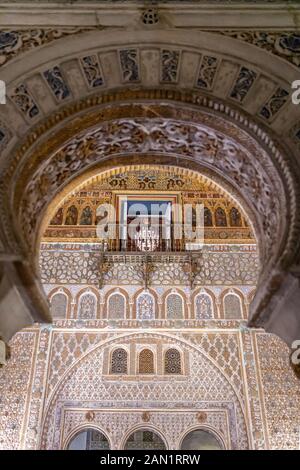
(145, 438)
(74, 215)
(145, 305)
(147, 362)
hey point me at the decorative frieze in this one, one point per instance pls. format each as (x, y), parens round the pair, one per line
(274, 104)
(169, 65)
(243, 84)
(207, 72)
(25, 102)
(57, 83)
(15, 42)
(285, 44)
(83, 267)
(129, 61)
(92, 70)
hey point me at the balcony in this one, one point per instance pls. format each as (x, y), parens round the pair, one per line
(151, 239)
(149, 245)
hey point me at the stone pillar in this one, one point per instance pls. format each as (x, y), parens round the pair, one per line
(4, 352)
(276, 308)
(22, 300)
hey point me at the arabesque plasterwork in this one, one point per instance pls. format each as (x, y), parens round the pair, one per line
(214, 144)
(100, 123)
(49, 146)
(266, 420)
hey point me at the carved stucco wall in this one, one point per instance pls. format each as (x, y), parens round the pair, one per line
(68, 263)
(235, 381)
(241, 79)
(176, 65)
(16, 386)
(83, 389)
(62, 380)
(251, 367)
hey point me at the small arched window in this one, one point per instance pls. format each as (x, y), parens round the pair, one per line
(86, 217)
(235, 218)
(59, 303)
(72, 216)
(203, 307)
(208, 222)
(172, 361)
(145, 307)
(89, 439)
(232, 306)
(146, 362)
(119, 361)
(220, 215)
(116, 307)
(174, 306)
(87, 307)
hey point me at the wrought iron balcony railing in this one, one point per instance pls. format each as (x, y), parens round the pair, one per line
(151, 238)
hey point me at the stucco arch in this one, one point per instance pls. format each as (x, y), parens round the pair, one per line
(182, 295)
(144, 427)
(237, 293)
(83, 428)
(210, 429)
(68, 295)
(86, 291)
(211, 295)
(39, 141)
(124, 294)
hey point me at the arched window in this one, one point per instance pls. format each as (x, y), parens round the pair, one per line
(87, 307)
(208, 222)
(89, 439)
(232, 306)
(145, 308)
(203, 307)
(220, 216)
(119, 361)
(235, 218)
(172, 361)
(59, 304)
(146, 362)
(86, 217)
(116, 307)
(201, 439)
(144, 440)
(174, 306)
(58, 218)
(72, 216)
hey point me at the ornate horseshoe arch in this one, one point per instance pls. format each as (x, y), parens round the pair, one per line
(140, 121)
